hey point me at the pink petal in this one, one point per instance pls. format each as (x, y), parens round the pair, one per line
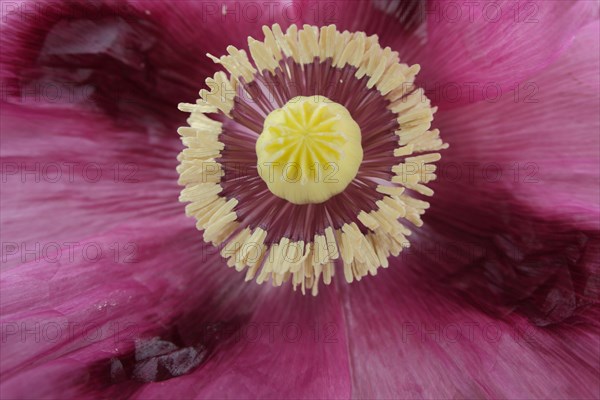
(133, 60)
(248, 332)
(509, 240)
(410, 348)
(538, 143)
(498, 295)
(92, 308)
(390, 21)
(93, 288)
(471, 45)
(290, 347)
(67, 176)
(69, 317)
(408, 340)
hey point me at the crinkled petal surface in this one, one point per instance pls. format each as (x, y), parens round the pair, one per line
(498, 295)
(108, 291)
(537, 141)
(425, 344)
(485, 44)
(106, 287)
(132, 60)
(465, 49)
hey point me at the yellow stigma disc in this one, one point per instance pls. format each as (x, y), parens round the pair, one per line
(309, 150)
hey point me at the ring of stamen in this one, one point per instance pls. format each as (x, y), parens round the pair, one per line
(357, 229)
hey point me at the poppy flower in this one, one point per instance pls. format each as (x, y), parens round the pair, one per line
(490, 245)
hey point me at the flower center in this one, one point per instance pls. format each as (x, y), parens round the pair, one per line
(297, 187)
(309, 150)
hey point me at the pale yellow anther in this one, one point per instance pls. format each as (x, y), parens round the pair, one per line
(309, 150)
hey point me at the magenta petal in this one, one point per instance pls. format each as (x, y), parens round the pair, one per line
(472, 48)
(159, 316)
(538, 143)
(97, 309)
(133, 60)
(94, 286)
(498, 295)
(514, 224)
(67, 176)
(265, 337)
(423, 344)
(390, 21)
(291, 346)
(58, 377)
